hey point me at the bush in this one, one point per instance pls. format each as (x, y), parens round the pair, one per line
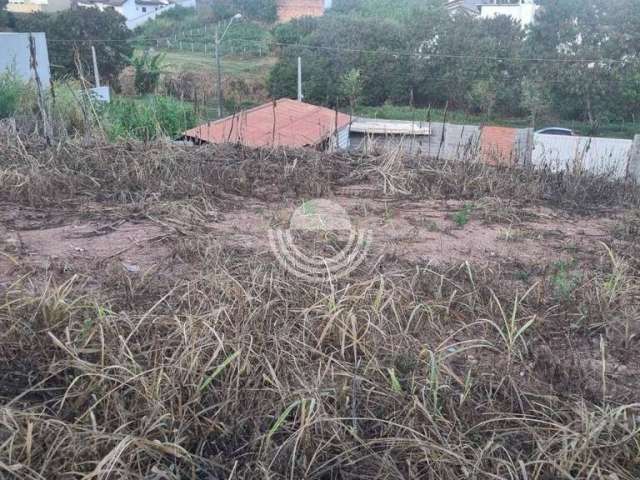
(147, 118)
(12, 93)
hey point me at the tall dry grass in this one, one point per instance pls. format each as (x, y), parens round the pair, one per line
(219, 364)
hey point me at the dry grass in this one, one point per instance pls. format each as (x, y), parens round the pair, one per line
(221, 365)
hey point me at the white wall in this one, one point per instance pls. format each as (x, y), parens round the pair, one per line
(592, 154)
(137, 17)
(15, 53)
(524, 13)
(136, 14)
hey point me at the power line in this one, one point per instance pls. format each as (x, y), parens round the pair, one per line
(397, 53)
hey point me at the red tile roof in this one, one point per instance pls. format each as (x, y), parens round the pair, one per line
(297, 124)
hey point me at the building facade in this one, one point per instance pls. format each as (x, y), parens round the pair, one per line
(136, 12)
(35, 6)
(523, 11)
(290, 9)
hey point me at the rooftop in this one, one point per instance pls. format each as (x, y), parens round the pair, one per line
(286, 123)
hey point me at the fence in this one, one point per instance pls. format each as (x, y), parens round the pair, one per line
(201, 40)
(239, 48)
(618, 158)
(596, 155)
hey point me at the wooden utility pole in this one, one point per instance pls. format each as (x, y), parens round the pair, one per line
(96, 74)
(46, 127)
(300, 97)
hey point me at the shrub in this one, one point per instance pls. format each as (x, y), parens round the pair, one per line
(147, 118)
(13, 90)
(148, 68)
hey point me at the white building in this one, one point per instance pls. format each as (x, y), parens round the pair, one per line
(33, 6)
(15, 56)
(136, 12)
(524, 11)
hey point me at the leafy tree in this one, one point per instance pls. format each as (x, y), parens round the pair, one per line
(351, 87)
(148, 68)
(295, 30)
(4, 15)
(590, 45)
(372, 44)
(76, 30)
(535, 98)
(483, 96)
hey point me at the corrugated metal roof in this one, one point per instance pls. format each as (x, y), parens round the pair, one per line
(376, 126)
(297, 124)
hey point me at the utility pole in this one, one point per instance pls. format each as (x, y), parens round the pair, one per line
(300, 97)
(96, 74)
(219, 67)
(218, 39)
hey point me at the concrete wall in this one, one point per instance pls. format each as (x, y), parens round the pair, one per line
(619, 158)
(139, 16)
(14, 53)
(447, 141)
(634, 159)
(343, 140)
(579, 154)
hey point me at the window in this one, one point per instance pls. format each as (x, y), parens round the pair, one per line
(144, 9)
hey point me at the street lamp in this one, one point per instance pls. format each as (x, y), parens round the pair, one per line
(218, 39)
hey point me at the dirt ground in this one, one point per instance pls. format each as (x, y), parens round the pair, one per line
(149, 330)
(428, 232)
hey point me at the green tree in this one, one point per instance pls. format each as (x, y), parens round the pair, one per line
(77, 30)
(339, 44)
(535, 99)
(148, 68)
(351, 87)
(4, 15)
(483, 96)
(589, 46)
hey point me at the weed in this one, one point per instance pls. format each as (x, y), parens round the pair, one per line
(462, 217)
(564, 280)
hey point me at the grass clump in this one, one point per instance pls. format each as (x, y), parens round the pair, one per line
(463, 216)
(147, 118)
(13, 93)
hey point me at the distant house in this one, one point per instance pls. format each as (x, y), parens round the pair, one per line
(288, 123)
(290, 9)
(524, 11)
(136, 12)
(34, 6)
(15, 56)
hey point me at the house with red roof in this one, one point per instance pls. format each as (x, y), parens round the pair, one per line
(282, 123)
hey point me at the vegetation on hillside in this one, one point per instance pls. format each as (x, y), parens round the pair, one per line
(579, 61)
